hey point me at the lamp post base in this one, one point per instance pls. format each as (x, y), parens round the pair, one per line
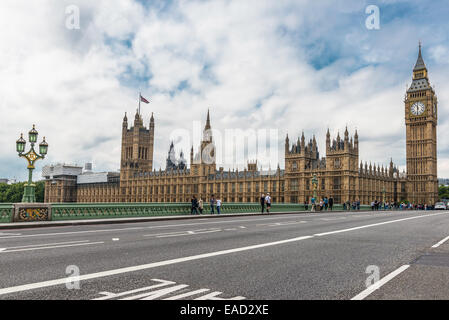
(29, 193)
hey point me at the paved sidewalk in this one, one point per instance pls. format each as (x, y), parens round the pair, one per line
(37, 224)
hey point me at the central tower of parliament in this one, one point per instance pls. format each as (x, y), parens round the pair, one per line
(340, 174)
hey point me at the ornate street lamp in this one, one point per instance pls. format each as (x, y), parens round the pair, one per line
(315, 185)
(31, 156)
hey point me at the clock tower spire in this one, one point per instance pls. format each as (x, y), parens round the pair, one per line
(421, 135)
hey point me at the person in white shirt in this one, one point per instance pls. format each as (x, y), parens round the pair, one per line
(268, 202)
(218, 205)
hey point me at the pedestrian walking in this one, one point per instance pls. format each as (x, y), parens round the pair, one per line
(268, 202)
(212, 203)
(326, 203)
(262, 202)
(331, 203)
(200, 205)
(306, 206)
(194, 209)
(218, 205)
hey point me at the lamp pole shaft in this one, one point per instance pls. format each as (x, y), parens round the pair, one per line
(29, 194)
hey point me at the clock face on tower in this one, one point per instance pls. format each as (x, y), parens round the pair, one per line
(418, 108)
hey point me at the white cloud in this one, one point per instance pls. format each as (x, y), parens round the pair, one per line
(250, 62)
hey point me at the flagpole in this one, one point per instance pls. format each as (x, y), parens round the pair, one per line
(139, 101)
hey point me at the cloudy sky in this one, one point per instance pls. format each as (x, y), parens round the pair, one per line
(283, 65)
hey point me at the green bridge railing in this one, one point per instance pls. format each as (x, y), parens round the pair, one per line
(74, 211)
(6, 212)
(65, 211)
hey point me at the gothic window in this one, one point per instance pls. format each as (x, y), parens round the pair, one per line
(294, 185)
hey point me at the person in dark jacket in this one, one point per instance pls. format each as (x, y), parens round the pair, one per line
(194, 206)
(331, 203)
(212, 203)
(262, 202)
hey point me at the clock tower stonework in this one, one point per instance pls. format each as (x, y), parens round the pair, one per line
(421, 107)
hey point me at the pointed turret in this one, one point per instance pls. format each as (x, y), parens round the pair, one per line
(125, 122)
(207, 126)
(303, 141)
(420, 65)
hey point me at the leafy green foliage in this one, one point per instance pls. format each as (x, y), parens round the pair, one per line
(443, 192)
(12, 193)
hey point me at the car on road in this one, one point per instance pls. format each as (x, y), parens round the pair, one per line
(440, 206)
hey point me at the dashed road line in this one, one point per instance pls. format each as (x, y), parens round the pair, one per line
(362, 295)
(436, 245)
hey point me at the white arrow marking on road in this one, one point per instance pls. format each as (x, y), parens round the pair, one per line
(2, 249)
(187, 294)
(109, 295)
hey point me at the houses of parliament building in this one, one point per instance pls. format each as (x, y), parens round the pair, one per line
(340, 174)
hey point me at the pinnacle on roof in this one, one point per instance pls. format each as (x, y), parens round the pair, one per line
(207, 121)
(420, 61)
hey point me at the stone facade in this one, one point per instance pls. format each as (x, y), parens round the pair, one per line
(340, 174)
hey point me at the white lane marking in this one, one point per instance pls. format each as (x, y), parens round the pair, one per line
(436, 245)
(281, 223)
(256, 218)
(47, 244)
(109, 295)
(332, 219)
(214, 296)
(2, 249)
(140, 228)
(187, 294)
(164, 288)
(9, 234)
(362, 295)
(53, 247)
(101, 274)
(115, 239)
(112, 272)
(156, 294)
(190, 233)
(376, 224)
(181, 233)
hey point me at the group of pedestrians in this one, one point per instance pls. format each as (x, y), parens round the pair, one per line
(198, 205)
(265, 201)
(324, 204)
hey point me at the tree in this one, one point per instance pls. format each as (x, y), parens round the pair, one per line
(13, 193)
(443, 192)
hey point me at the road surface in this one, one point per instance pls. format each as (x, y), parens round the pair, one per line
(322, 255)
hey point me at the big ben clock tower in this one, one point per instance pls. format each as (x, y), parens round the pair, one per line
(421, 107)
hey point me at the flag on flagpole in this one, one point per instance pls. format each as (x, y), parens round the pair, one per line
(143, 99)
